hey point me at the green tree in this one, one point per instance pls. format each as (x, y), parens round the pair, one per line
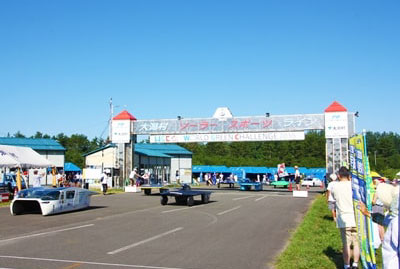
(18, 134)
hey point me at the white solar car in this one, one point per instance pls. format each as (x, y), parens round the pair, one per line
(48, 201)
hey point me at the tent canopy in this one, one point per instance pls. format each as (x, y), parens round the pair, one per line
(71, 167)
(23, 157)
(7, 160)
(317, 172)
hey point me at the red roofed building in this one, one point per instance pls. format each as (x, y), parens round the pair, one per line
(335, 107)
(124, 115)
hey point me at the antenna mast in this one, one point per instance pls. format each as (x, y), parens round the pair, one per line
(110, 121)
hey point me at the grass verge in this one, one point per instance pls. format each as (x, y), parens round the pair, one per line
(316, 242)
(109, 191)
(3, 204)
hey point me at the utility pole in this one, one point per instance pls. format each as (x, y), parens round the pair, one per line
(110, 121)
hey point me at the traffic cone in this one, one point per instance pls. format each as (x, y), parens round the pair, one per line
(290, 187)
(308, 187)
(15, 192)
(5, 197)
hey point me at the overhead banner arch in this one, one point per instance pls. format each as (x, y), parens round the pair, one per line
(336, 121)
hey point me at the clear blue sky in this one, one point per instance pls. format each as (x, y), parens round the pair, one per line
(61, 61)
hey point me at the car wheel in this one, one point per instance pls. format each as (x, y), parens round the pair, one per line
(147, 191)
(190, 201)
(205, 198)
(164, 200)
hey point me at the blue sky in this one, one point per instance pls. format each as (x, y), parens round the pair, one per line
(61, 61)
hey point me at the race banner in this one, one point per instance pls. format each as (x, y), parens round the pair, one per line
(362, 186)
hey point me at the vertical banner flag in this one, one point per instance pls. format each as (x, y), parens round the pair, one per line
(362, 186)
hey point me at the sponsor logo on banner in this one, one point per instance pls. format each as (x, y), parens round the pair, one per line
(121, 131)
(228, 137)
(336, 125)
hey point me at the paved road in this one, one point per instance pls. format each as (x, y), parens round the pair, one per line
(235, 230)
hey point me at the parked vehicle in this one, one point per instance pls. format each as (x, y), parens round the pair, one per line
(10, 181)
(313, 182)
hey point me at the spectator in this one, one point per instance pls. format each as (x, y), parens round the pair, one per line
(36, 179)
(59, 179)
(146, 178)
(297, 177)
(214, 178)
(221, 177)
(206, 179)
(104, 180)
(342, 193)
(389, 196)
(331, 200)
(133, 176)
(178, 179)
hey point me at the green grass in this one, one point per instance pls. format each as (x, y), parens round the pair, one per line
(109, 191)
(316, 242)
(4, 204)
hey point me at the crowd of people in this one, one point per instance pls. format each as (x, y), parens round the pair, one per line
(69, 179)
(384, 214)
(135, 178)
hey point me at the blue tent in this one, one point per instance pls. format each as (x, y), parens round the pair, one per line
(70, 167)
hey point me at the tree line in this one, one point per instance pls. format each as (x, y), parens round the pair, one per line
(383, 150)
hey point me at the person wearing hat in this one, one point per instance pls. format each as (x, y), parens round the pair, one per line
(389, 196)
(297, 177)
(132, 176)
(331, 200)
(104, 182)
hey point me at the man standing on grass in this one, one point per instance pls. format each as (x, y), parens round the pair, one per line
(342, 193)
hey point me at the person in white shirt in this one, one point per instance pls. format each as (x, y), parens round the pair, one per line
(103, 180)
(36, 179)
(297, 177)
(343, 194)
(59, 178)
(134, 175)
(331, 200)
(221, 177)
(389, 195)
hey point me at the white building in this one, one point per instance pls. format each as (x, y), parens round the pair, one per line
(161, 160)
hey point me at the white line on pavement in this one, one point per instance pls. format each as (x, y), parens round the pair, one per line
(180, 209)
(85, 262)
(258, 199)
(174, 210)
(241, 198)
(51, 232)
(229, 210)
(144, 241)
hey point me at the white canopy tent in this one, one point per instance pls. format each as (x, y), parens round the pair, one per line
(7, 160)
(23, 157)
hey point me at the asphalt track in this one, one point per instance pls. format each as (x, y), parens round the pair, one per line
(131, 230)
